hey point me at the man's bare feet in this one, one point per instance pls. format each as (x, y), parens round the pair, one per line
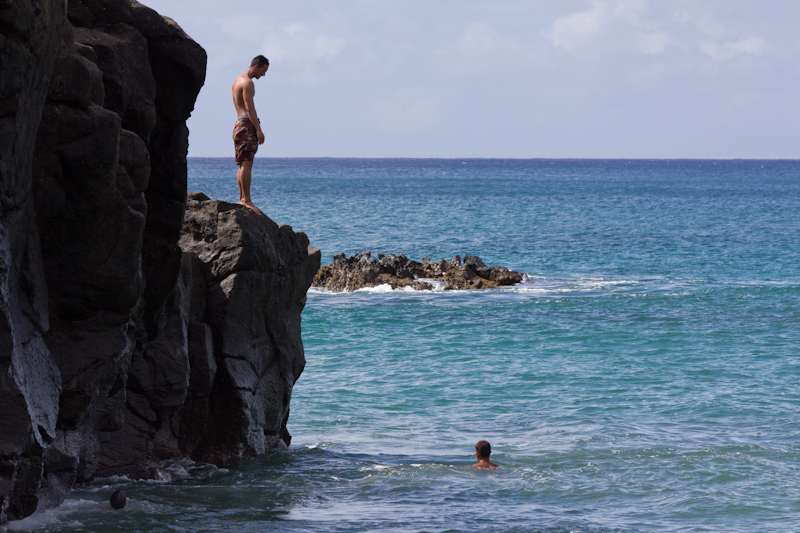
(251, 205)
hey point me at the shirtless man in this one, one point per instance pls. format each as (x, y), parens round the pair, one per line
(482, 452)
(247, 134)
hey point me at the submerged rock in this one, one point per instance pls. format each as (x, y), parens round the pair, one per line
(348, 274)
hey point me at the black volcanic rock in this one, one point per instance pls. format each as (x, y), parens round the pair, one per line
(348, 274)
(30, 381)
(105, 213)
(124, 341)
(256, 277)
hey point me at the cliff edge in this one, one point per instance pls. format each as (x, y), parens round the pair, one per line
(135, 325)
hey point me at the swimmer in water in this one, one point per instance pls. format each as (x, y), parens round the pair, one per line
(482, 452)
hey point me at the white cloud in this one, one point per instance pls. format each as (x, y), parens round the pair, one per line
(654, 43)
(302, 47)
(629, 10)
(751, 45)
(608, 29)
(583, 30)
(572, 31)
(481, 48)
(405, 111)
(479, 38)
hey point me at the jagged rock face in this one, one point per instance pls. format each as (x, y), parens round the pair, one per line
(124, 341)
(30, 32)
(106, 212)
(256, 276)
(348, 274)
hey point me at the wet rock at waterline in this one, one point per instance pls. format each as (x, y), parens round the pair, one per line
(360, 271)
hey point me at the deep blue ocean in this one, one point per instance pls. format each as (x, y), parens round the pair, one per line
(645, 378)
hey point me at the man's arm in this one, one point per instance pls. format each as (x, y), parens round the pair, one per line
(249, 92)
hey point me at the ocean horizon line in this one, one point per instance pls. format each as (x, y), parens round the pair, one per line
(359, 158)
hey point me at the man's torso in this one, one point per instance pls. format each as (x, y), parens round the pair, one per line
(238, 94)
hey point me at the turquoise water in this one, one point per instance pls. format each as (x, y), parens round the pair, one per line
(645, 378)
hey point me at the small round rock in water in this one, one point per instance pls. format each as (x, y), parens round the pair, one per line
(118, 500)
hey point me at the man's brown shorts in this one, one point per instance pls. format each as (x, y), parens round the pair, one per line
(245, 140)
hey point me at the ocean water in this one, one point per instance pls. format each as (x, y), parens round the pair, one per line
(645, 378)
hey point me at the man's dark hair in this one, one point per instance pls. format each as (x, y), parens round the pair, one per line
(259, 61)
(118, 500)
(484, 449)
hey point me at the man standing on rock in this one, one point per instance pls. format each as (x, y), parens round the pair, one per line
(247, 134)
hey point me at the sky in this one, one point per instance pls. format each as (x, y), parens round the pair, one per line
(502, 78)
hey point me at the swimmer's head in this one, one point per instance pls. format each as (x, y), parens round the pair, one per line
(483, 449)
(118, 500)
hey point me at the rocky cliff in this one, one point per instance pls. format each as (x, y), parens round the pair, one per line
(129, 333)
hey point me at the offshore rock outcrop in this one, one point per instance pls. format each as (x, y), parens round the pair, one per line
(348, 274)
(126, 336)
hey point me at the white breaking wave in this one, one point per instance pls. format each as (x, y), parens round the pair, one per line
(534, 285)
(60, 516)
(374, 468)
(378, 289)
(315, 290)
